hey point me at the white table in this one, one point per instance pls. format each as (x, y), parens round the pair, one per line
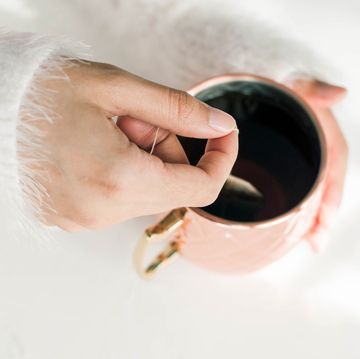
(80, 298)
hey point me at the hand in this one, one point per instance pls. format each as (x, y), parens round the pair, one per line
(99, 172)
(321, 97)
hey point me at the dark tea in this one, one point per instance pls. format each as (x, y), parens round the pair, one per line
(279, 149)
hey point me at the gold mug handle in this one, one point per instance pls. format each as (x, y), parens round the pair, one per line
(168, 224)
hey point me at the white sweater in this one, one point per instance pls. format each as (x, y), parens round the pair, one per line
(177, 45)
(24, 57)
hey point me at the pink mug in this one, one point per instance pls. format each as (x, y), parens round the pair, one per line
(281, 151)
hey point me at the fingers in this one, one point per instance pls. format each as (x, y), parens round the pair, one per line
(170, 150)
(180, 113)
(318, 93)
(184, 185)
(337, 163)
(170, 109)
(200, 185)
(167, 146)
(220, 156)
(321, 96)
(334, 181)
(140, 132)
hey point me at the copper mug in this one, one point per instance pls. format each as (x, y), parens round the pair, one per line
(281, 152)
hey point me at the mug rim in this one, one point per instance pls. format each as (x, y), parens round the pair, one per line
(231, 77)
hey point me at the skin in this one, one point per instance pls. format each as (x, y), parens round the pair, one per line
(321, 97)
(99, 172)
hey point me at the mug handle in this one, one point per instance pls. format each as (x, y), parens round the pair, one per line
(170, 223)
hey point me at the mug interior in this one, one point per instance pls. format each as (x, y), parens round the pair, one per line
(279, 149)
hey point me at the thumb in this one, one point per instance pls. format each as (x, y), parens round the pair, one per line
(168, 108)
(318, 93)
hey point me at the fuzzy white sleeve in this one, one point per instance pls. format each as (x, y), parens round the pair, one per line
(24, 58)
(180, 43)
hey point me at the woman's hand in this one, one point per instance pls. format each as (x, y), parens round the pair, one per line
(321, 97)
(99, 171)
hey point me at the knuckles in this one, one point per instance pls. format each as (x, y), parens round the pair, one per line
(180, 106)
(207, 195)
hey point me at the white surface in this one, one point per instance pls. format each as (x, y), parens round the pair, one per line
(79, 298)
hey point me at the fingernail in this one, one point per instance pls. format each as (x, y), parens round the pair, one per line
(221, 121)
(318, 87)
(326, 90)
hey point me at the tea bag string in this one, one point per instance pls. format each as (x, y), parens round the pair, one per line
(154, 142)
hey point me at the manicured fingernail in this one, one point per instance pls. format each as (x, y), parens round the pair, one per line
(221, 121)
